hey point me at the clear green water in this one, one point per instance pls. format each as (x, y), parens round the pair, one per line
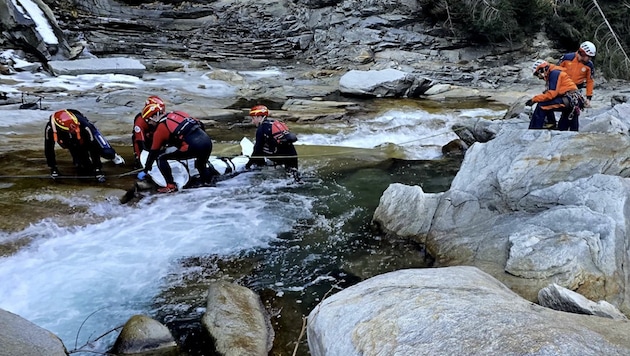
(318, 257)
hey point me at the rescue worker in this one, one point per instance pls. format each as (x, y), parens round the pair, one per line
(74, 132)
(579, 66)
(558, 96)
(186, 139)
(274, 141)
(142, 135)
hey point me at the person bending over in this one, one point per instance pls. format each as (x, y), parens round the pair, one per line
(560, 94)
(142, 135)
(73, 131)
(185, 134)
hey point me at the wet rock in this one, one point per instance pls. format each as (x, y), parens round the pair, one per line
(455, 148)
(142, 334)
(237, 320)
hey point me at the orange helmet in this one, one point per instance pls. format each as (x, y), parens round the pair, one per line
(154, 99)
(151, 110)
(259, 110)
(66, 121)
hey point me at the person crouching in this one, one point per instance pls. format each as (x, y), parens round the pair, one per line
(558, 96)
(181, 131)
(73, 131)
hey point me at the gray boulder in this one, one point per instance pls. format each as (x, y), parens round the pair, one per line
(19, 336)
(237, 320)
(562, 299)
(532, 208)
(452, 311)
(383, 83)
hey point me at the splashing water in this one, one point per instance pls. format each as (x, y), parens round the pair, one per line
(114, 268)
(419, 133)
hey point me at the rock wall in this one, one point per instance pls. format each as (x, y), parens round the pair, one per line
(352, 33)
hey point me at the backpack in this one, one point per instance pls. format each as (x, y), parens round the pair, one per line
(280, 132)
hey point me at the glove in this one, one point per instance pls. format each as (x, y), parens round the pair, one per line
(100, 177)
(118, 159)
(529, 102)
(54, 173)
(142, 175)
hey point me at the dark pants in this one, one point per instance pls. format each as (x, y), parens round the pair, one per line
(86, 157)
(569, 122)
(199, 147)
(544, 112)
(285, 155)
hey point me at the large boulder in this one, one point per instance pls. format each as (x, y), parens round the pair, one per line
(237, 320)
(452, 311)
(536, 207)
(118, 65)
(35, 29)
(19, 336)
(383, 83)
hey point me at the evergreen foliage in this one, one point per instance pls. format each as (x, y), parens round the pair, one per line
(566, 22)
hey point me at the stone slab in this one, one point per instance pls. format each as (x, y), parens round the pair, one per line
(118, 65)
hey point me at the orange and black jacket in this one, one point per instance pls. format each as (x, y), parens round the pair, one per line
(581, 74)
(558, 83)
(172, 130)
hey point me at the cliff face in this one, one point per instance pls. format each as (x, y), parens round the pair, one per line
(324, 33)
(34, 29)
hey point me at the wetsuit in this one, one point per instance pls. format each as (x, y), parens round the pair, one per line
(180, 130)
(142, 137)
(86, 150)
(266, 146)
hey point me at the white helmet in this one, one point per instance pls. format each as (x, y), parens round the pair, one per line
(539, 64)
(588, 48)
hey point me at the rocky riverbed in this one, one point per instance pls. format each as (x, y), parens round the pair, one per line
(293, 63)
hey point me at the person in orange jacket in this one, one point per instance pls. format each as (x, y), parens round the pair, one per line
(558, 96)
(185, 134)
(579, 67)
(142, 135)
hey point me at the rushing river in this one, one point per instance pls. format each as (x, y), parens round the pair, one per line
(293, 243)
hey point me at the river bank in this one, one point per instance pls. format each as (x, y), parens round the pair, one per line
(81, 209)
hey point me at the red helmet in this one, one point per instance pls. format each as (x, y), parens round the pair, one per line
(259, 110)
(151, 110)
(154, 99)
(65, 120)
